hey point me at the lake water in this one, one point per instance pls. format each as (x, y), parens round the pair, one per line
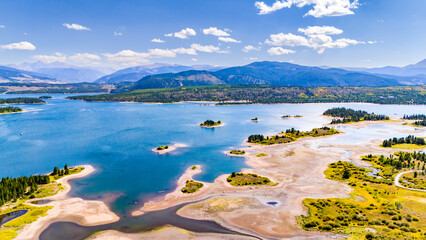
(117, 139)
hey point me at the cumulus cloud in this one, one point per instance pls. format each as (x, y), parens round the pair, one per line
(87, 58)
(216, 32)
(228, 39)
(279, 51)
(316, 37)
(194, 60)
(249, 48)
(320, 30)
(288, 39)
(2, 26)
(57, 57)
(19, 46)
(183, 34)
(321, 8)
(157, 40)
(205, 48)
(76, 26)
(117, 34)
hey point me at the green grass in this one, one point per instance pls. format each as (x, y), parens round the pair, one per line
(192, 186)
(393, 213)
(292, 135)
(243, 179)
(407, 146)
(9, 229)
(261, 155)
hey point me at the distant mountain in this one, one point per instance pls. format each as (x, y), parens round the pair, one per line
(269, 73)
(8, 74)
(134, 74)
(64, 72)
(412, 74)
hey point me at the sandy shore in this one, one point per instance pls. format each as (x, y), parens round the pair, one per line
(170, 149)
(83, 212)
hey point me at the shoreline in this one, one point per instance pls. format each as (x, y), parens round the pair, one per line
(170, 149)
(65, 208)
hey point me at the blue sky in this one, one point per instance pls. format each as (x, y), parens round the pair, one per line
(119, 34)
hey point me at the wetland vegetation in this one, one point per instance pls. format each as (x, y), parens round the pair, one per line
(237, 152)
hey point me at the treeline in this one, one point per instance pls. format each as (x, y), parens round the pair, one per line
(420, 123)
(252, 94)
(415, 117)
(15, 188)
(400, 160)
(55, 88)
(409, 140)
(10, 109)
(21, 101)
(350, 115)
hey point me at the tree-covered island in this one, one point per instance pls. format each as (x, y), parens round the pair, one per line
(21, 101)
(347, 115)
(421, 119)
(211, 123)
(237, 152)
(290, 135)
(160, 148)
(4, 110)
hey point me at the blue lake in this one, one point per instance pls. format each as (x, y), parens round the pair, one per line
(117, 139)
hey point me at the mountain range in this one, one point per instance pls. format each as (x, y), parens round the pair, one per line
(268, 73)
(8, 74)
(134, 74)
(64, 72)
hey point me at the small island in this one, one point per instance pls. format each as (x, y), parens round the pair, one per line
(166, 148)
(244, 179)
(347, 115)
(407, 142)
(211, 124)
(5, 110)
(21, 101)
(237, 152)
(288, 116)
(290, 135)
(255, 119)
(192, 186)
(45, 97)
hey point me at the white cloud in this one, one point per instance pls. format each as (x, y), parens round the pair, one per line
(216, 32)
(19, 46)
(183, 34)
(288, 39)
(279, 51)
(85, 58)
(317, 38)
(58, 57)
(189, 51)
(228, 39)
(127, 57)
(252, 58)
(321, 8)
(249, 48)
(117, 34)
(157, 40)
(76, 26)
(194, 60)
(205, 48)
(2, 26)
(371, 42)
(318, 30)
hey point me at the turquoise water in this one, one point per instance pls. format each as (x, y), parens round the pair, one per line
(117, 139)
